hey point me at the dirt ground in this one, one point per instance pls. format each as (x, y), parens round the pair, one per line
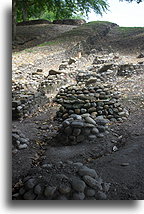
(122, 168)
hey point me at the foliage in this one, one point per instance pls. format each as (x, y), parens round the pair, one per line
(59, 9)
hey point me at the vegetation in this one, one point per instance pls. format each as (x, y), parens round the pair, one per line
(23, 10)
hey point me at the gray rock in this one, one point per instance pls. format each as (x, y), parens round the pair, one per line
(86, 131)
(87, 171)
(83, 111)
(93, 183)
(23, 140)
(100, 135)
(90, 120)
(76, 117)
(22, 191)
(78, 185)
(77, 124)
(78, 164)
(64, 189)
(80, 138)
(76, 131)
(101, 121)
(30, 184)
(101, 195)
(90, 192)
(101, 128)
(37, 189)
(68, 130)
(29, 195)
(62, 197)
(22, 146)
(106, 186)
(92, 137)
(85, 115)
(94, 131)
(66, 123)
(78, 196)
(49, 191)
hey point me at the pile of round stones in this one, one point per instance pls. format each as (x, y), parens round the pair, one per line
(25, 103)
(19, 141)
(130, 69)
(63, 181)
(84, 128)
(96, 100)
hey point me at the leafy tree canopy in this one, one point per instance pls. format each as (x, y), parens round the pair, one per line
(60, 9)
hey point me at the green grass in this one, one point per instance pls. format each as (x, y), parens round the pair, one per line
(130, 30)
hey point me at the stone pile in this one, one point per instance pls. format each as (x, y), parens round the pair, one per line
(69, 21)
(96, 100)
(108, 72)
(130, 69)
(84, 128)
(19, 141)
(25, 103)
(63, 181)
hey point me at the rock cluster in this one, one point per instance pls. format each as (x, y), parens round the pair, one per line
(19, 141)
(129, 69)
(78, 182)
(25, 103)
(96, 100)
(84, 128)
(70, 21)
(34, 22)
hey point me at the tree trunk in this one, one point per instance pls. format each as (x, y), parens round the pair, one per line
(13, 20)
(24, 12)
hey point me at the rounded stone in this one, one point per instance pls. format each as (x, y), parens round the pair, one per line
(21, 191)
(92, 109)
(87, 171)
(101, 128)
(37, 189)
(87, 131)
(64, 189)
(101, 195)
(90, 120)
(91, 182)
(78, 196)
(92, 137)
(77, 124)
(66, 123)
(22, 146)
(49, 191)
(76, 131)
(94, 131)
(80, 138)
(77, 111)
(30, 184)
(78, 185)
(68, 130)
(83, 111)
(29, 195)
(90, 192)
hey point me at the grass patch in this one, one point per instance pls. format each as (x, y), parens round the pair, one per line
(130, 30)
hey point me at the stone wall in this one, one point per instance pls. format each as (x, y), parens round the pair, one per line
(70, 21)
(97, 100)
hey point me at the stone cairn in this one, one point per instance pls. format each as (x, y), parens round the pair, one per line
(98, 100)
(19, 141)
(67, 181)
(82, 128)
(106, 68)
(25, 103)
